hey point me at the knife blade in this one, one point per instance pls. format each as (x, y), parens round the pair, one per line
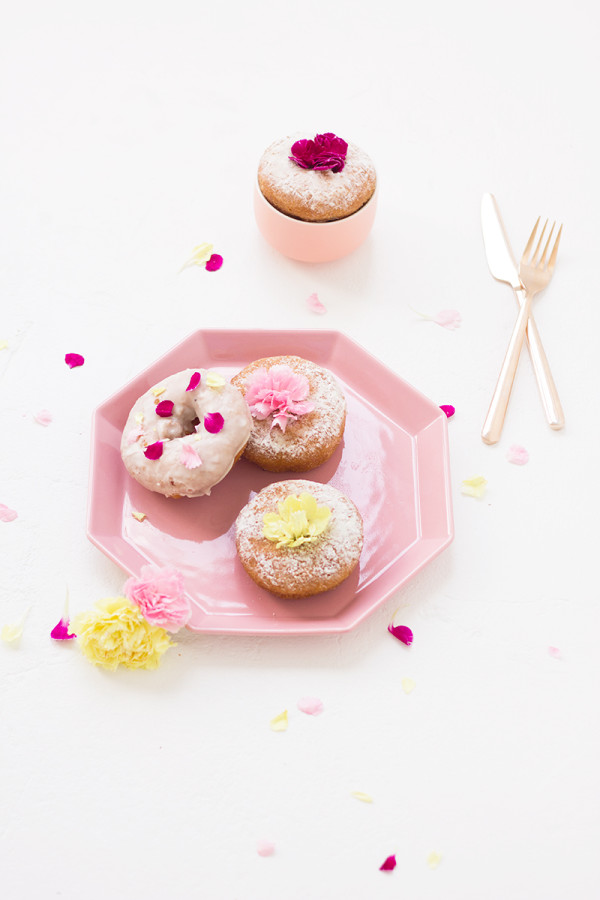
(502, 265)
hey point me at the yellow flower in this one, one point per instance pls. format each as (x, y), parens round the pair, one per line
(298, 521)
(115, 632)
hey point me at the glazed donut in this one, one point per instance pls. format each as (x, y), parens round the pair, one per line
(296, 560)
(184, 434)
(299, 413)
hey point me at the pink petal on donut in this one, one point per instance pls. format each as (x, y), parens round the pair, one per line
(165, 408)
(194, 382)
(213, 422)
(154, 451)
(74, 359)
(134, 435)
(214, 263)
(189, 457)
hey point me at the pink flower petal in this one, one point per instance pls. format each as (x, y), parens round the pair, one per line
(60, 632)
(517, 455)
(214, 263)
(154, 451)
(43, 417)
(135, 434)
(159, 593)
(265, 848)
(389, 864)
(165, 408)
(315, 305)
(554, 652)
(194, 382)
(213, 422)
(448, 318)
(73, 360)
(312, 706)
(189, 457)
(7, 514)
(402, 632)
(448, 409)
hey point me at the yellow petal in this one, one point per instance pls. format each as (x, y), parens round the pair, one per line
(157, 391)
(364, 798)
(280, 722)
(214, 380)
(434, 859)
(408, 685)
(3, 345)
(11, 633)
(474, 487)
(140, 516)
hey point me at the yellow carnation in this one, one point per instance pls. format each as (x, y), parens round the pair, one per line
(298, 521)
(115, 632)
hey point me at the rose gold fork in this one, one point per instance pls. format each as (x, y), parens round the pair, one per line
(535, 272)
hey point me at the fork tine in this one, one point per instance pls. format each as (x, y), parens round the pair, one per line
(531, 239)
(552, 259)
(543, 257)
(535, 259)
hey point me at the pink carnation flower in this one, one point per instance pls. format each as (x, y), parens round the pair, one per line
(278, 392)
(159, 594)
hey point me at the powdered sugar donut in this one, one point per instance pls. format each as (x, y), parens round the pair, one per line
(316, 183)
(299, 413)
(298, 538)
(184, 434)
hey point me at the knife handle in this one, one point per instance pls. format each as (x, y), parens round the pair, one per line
(547, 388)
(492, 427)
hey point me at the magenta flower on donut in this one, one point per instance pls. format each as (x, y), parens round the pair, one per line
(165, 408)
(194, 382)
(325, 151)
(213, 422)
(278, 392)
(154, 451)
(159, 594)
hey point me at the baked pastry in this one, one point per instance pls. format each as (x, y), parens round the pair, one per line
(184, 434)
(318, 180)
(298, 411)
(299, 538)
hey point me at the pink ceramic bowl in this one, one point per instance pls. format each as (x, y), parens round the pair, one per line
(313, 241)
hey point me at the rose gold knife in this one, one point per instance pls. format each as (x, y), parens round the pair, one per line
(503, 267)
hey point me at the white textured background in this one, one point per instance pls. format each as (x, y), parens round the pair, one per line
(130, 133)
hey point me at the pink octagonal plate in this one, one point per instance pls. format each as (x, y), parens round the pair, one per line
(393, 463)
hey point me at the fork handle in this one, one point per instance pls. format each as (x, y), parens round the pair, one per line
(541, 367)
(492, 427)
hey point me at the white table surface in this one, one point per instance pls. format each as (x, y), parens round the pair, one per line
(130, 134)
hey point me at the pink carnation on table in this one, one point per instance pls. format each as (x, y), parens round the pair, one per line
(160, 596)
(278, 392)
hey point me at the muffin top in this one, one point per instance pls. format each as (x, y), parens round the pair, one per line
(315, 194)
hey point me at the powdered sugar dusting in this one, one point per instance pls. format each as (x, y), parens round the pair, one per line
(310, 568)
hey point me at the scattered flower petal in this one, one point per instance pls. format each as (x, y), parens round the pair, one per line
(408, 685)
(448, 318)
(325, 151)
(10, 634)
(554, 652)
(279, 392)
(265, 848)
(474, 487)
(194, 381)
(214, 263)
(214, 380)
(7, 514)
(312, 706)
(159, 595)
(402, 632)
(154, 451)
(517, 455)
(448, 409)
(140, 516)
(165, 408)
(315, 305)
(434, 859)
(3, 345)
(360, 795)
(189, 457)
(115, 633)
(43, 417)
(213, 422)
(280, 722)
(200, 255)
(389, 864)
(61, 631)
(74, 359)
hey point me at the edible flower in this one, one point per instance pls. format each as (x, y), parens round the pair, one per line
(165, 408)
(61, 632)
(214, 380)
(7, 514)
(312, 706)
(517, 455)
(325, 151)
(214, 263)
(73, 360)
(189, 457)
(116, 633)
(298, 521)
(154, 451)
(360, 795)
(160, 596)
(388, 864)
(447, 318)
(43, 417)
(280, 722)
(265, 848)
(474, 487)
(200, 256)
(278, 392)
(213, 422)
(194, 382)
(448, 409)
(402, 632)
(315, 305)
(10, 634)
